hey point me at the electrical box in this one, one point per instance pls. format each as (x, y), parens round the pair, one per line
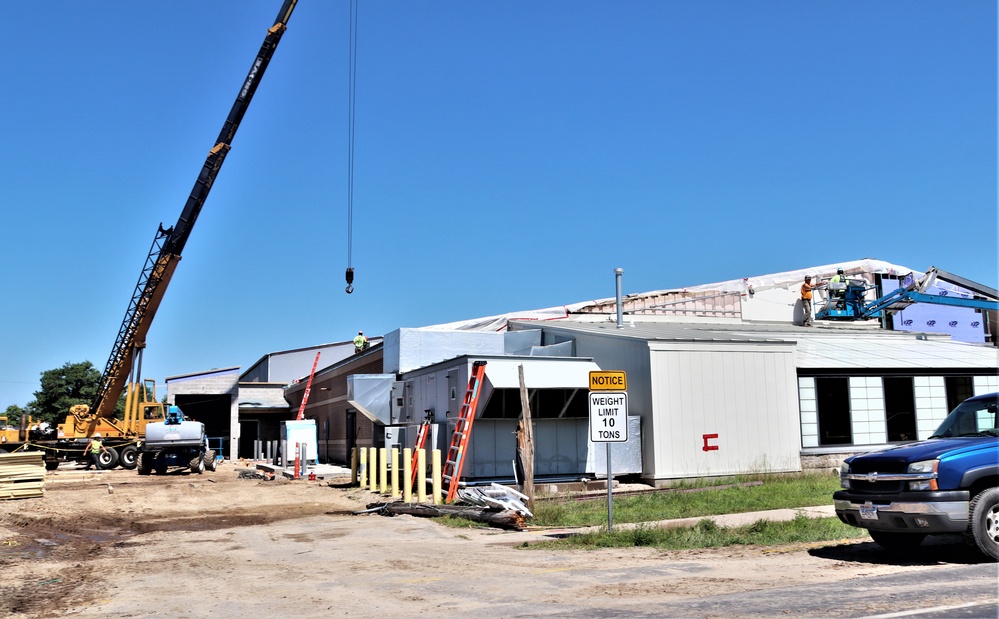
(302, 432)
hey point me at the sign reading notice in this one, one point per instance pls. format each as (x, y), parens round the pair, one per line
(608, 417)
(613, 380)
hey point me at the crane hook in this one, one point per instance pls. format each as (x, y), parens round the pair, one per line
(350, 280)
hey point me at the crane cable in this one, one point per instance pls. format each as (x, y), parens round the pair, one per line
(351, 94)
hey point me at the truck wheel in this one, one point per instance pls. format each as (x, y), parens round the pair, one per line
(144, 463)
(900, 542)
(984, 525)
(107, 460)
(210, 462)
(198, 464)
(127, 457)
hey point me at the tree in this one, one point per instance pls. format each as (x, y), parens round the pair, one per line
(61, 388)
(13, 414)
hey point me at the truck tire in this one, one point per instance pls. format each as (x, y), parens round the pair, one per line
(210, 462)
(127, 457)
(984, 526)
(144, 463)
(108, 459)
(899, 542)
(198, 464)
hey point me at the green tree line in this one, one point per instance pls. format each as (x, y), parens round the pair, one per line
(61, 388)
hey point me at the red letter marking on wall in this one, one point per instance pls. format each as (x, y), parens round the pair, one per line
(708, 437)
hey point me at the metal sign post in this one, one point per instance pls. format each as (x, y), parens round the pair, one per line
(608, 422)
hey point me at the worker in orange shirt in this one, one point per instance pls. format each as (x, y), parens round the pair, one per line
(806, 299)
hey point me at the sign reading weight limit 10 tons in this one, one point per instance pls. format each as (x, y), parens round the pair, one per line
(608, 417)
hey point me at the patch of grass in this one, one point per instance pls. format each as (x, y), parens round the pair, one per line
(707, 534)
(457, 522)
(776, 492)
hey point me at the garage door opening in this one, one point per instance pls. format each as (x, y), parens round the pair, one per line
(215, 411)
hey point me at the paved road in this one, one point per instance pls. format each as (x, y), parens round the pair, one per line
(968, 591)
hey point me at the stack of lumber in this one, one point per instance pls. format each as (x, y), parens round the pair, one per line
(22, 475)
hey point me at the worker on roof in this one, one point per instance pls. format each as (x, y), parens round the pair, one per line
(93, 451)
(360, 342)
(806, 300)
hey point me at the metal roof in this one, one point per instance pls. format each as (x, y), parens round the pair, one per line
(831, 346)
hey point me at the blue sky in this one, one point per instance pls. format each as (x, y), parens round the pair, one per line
(508, 156)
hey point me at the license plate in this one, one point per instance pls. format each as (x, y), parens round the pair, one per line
(869, 512)
(175, 436)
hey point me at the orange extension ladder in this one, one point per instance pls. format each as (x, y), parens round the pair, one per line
(463, 431)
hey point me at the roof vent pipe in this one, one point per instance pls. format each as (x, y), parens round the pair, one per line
(620, 310)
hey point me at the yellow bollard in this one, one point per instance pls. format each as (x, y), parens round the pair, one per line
(363, 466)
(395, 472)
(421, 475)
(435, 465)
(383, 470)
(353, 465)
(373, 465)
(407, 475)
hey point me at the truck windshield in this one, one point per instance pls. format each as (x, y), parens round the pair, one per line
(970, 418)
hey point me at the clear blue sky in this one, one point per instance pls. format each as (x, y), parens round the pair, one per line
(508, 156)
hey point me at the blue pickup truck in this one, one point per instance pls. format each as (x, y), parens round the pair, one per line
(948, 483)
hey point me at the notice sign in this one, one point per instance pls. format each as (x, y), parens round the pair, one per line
(613, 380)
(608, 417)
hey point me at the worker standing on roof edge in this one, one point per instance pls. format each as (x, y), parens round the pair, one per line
(94, 449)
(360, 342)
(806, 300)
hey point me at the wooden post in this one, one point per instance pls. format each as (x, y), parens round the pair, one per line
(525, 441)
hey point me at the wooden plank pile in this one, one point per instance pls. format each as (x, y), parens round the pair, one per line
(22, 475)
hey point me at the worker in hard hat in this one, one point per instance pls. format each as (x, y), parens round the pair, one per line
(360, 342)
(837, 289)
(94, 450)
(806, 299)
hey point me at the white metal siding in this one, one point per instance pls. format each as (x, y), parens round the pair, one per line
(746, 394)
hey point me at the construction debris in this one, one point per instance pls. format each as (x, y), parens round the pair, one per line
(497, 497)
(22, 475)
(504, 519)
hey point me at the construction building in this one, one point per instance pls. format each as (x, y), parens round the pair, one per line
(721, 380)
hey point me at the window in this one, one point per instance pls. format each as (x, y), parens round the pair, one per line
(900, 408)
(959, 389)
(832, 395)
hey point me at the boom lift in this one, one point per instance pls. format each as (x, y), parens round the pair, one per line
(124, 366)
(846, 301)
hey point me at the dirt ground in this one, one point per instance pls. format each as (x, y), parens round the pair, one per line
(185, 545)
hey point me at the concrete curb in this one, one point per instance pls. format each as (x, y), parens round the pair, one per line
(725, 520)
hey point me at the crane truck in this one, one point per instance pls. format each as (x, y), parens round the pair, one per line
(124, 366)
